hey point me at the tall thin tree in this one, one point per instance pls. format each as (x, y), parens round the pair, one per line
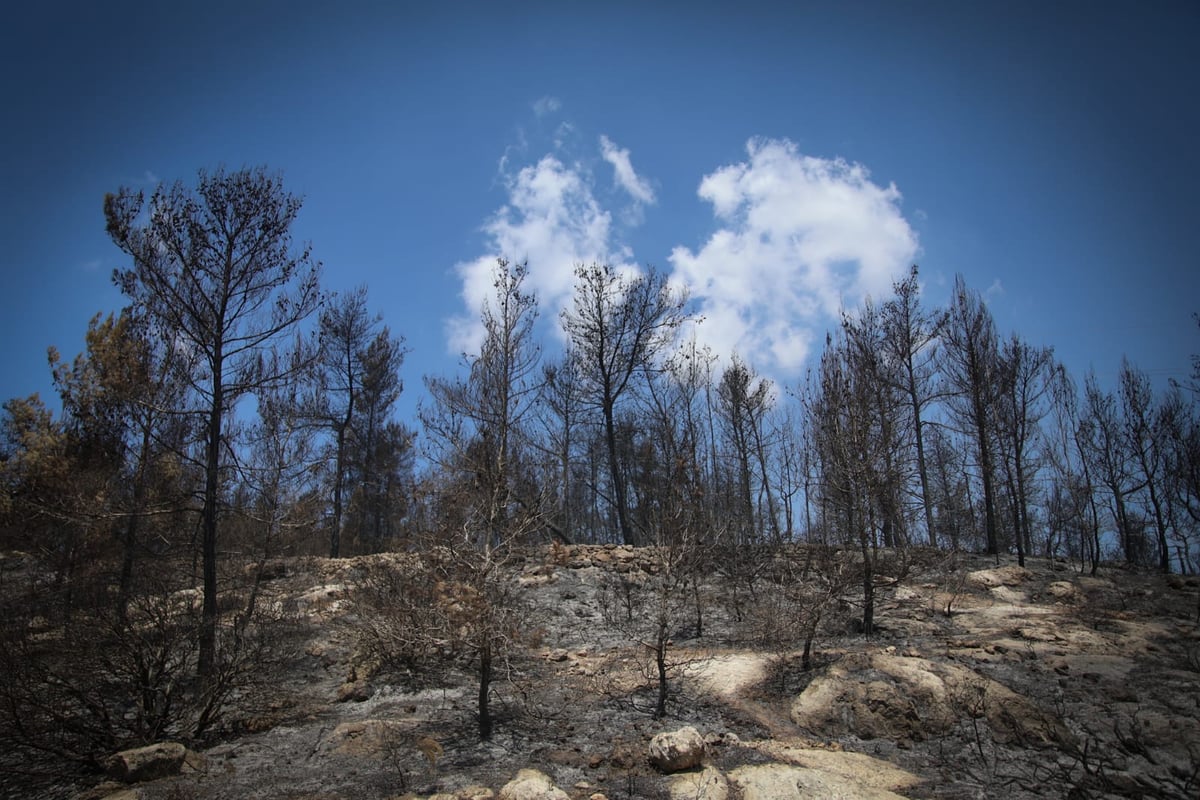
(911, 343)
(1025, 372)
(970, 369)
(618, 325)
(345, 331)
(215, 267)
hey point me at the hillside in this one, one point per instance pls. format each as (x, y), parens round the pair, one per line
(982, 680)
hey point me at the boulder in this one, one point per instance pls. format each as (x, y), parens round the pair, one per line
(147, 763)
(530, 784)
(673, 751)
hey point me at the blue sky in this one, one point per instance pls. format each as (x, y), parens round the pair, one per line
(781, 159)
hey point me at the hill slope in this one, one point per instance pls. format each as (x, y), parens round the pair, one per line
(982, 680)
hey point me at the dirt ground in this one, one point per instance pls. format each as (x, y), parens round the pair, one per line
(983, 680)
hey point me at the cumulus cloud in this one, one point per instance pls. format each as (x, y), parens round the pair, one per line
(637, 187)
(552, 220)
(798, 238)
(795, 240)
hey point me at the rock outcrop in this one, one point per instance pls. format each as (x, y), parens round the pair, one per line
(787, 782)
(910, 699)
(1011, 575)
(706, 784)
(530, 784)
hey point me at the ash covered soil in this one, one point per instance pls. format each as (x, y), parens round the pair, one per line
(984, 679)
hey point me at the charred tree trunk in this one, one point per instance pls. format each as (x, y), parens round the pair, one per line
(485, 691)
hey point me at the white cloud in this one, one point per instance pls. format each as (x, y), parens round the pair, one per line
(798, 239)
(563, 134)
(546, 105)
(637, 187)
(995, 290)
(552, 220)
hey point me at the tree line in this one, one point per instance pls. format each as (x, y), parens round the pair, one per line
(234, 412)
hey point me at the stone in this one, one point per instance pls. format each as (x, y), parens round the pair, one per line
(535, 580)
(354, 691)
(853, 769)
(1064, 592)
(322, 598)
(1000, 576)
(707, 784)
(787, 782)
(1006, 595)
(673, 751)
(531, 784)
(905, 698)
(147, 763)
(108, 790)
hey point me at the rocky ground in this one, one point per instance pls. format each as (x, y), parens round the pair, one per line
(984, 680)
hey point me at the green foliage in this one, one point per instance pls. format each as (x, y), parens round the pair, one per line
(36, 465)
(369, 453)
